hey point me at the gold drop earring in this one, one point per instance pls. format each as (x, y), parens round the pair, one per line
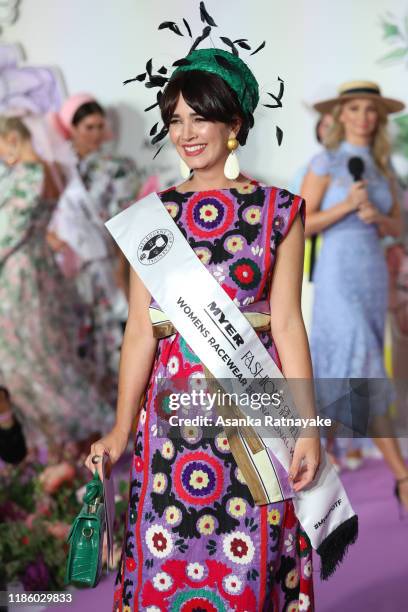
(231, 168)
(185, 171)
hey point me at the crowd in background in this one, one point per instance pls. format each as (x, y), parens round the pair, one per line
(63, 284)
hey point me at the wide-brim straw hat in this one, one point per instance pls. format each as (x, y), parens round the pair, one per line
(359, 89)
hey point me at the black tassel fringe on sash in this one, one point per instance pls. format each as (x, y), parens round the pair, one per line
(335, 546)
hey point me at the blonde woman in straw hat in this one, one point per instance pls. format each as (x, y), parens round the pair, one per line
(351, 196)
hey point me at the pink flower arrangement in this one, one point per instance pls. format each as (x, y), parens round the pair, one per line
(56, 475)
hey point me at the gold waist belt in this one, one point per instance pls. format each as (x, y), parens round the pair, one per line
(162, 327)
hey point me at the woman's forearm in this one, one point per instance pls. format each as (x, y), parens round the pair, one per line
(389, 226)
(318, 221)
(136, 362)
(293, 349)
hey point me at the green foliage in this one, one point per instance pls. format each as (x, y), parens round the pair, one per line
(21, 546)
(396, 35)
(390, 30)
(401, 142)
(27, 512)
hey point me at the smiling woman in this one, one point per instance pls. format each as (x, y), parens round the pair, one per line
(201, 111)
(195, 536)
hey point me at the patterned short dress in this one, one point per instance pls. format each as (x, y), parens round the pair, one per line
(194, 539)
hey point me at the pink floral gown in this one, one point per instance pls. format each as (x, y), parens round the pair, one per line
(49, 385)
(194, 539)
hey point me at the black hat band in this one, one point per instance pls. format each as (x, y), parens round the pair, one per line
(357, 90)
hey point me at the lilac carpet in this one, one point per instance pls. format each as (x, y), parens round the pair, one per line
(374, 576)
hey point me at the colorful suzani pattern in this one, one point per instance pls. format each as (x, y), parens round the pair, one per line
(194, 539)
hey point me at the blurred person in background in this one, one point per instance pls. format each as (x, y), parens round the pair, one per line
(50, 387)
(397, 260)
(100, 185)
(322, 127)
(12, 442)
(351, 280)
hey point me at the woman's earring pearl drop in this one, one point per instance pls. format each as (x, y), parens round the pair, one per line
(231, 168)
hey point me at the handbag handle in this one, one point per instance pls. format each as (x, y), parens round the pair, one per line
(94, 489)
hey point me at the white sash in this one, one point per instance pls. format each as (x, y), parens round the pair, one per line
(182, 285)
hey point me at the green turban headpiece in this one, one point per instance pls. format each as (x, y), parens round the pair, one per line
(230, 68)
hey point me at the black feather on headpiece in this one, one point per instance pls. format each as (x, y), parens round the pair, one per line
(223, 62)
(158, 150)
(171, 26)
(156, 81)
(261, 46)
(162, 134)
(182, 62)
(205, 17)
(140, 77)
(205, 33)
(278, 98)
(243, 43)
(187, 28)
(229, 44)
(154, 129)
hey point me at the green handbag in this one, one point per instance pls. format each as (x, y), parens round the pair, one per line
(84, 565)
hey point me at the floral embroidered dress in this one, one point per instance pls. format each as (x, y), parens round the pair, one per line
(38, 325)
(194, 539)
(100, 187)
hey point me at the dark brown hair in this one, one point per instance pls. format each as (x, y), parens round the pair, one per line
(89, 108)
(208, 95)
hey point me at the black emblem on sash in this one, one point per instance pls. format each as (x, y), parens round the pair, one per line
(155, 246)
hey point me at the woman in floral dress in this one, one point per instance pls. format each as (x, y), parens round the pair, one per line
(100, 185)
(194, 538)
(49, 386)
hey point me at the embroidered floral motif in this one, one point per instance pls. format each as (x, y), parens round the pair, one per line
(236, 506)
(168, 449)
(173, 515)
(304, 602)
(239, 547)
(244, 189)
(209, 215)
(198, 478)
(159, 540)
(222, 444)
(172, 209)
(203, 254)
(234, 244)
(245, 273)
(162, 581)
(206, 524)
(232, 584)
(252, 215)
(195, 571)
(274, 516)
(159, 483)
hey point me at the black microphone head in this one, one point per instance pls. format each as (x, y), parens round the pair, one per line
(356, 168)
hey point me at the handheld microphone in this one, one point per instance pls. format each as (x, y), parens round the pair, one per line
(356, 168)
